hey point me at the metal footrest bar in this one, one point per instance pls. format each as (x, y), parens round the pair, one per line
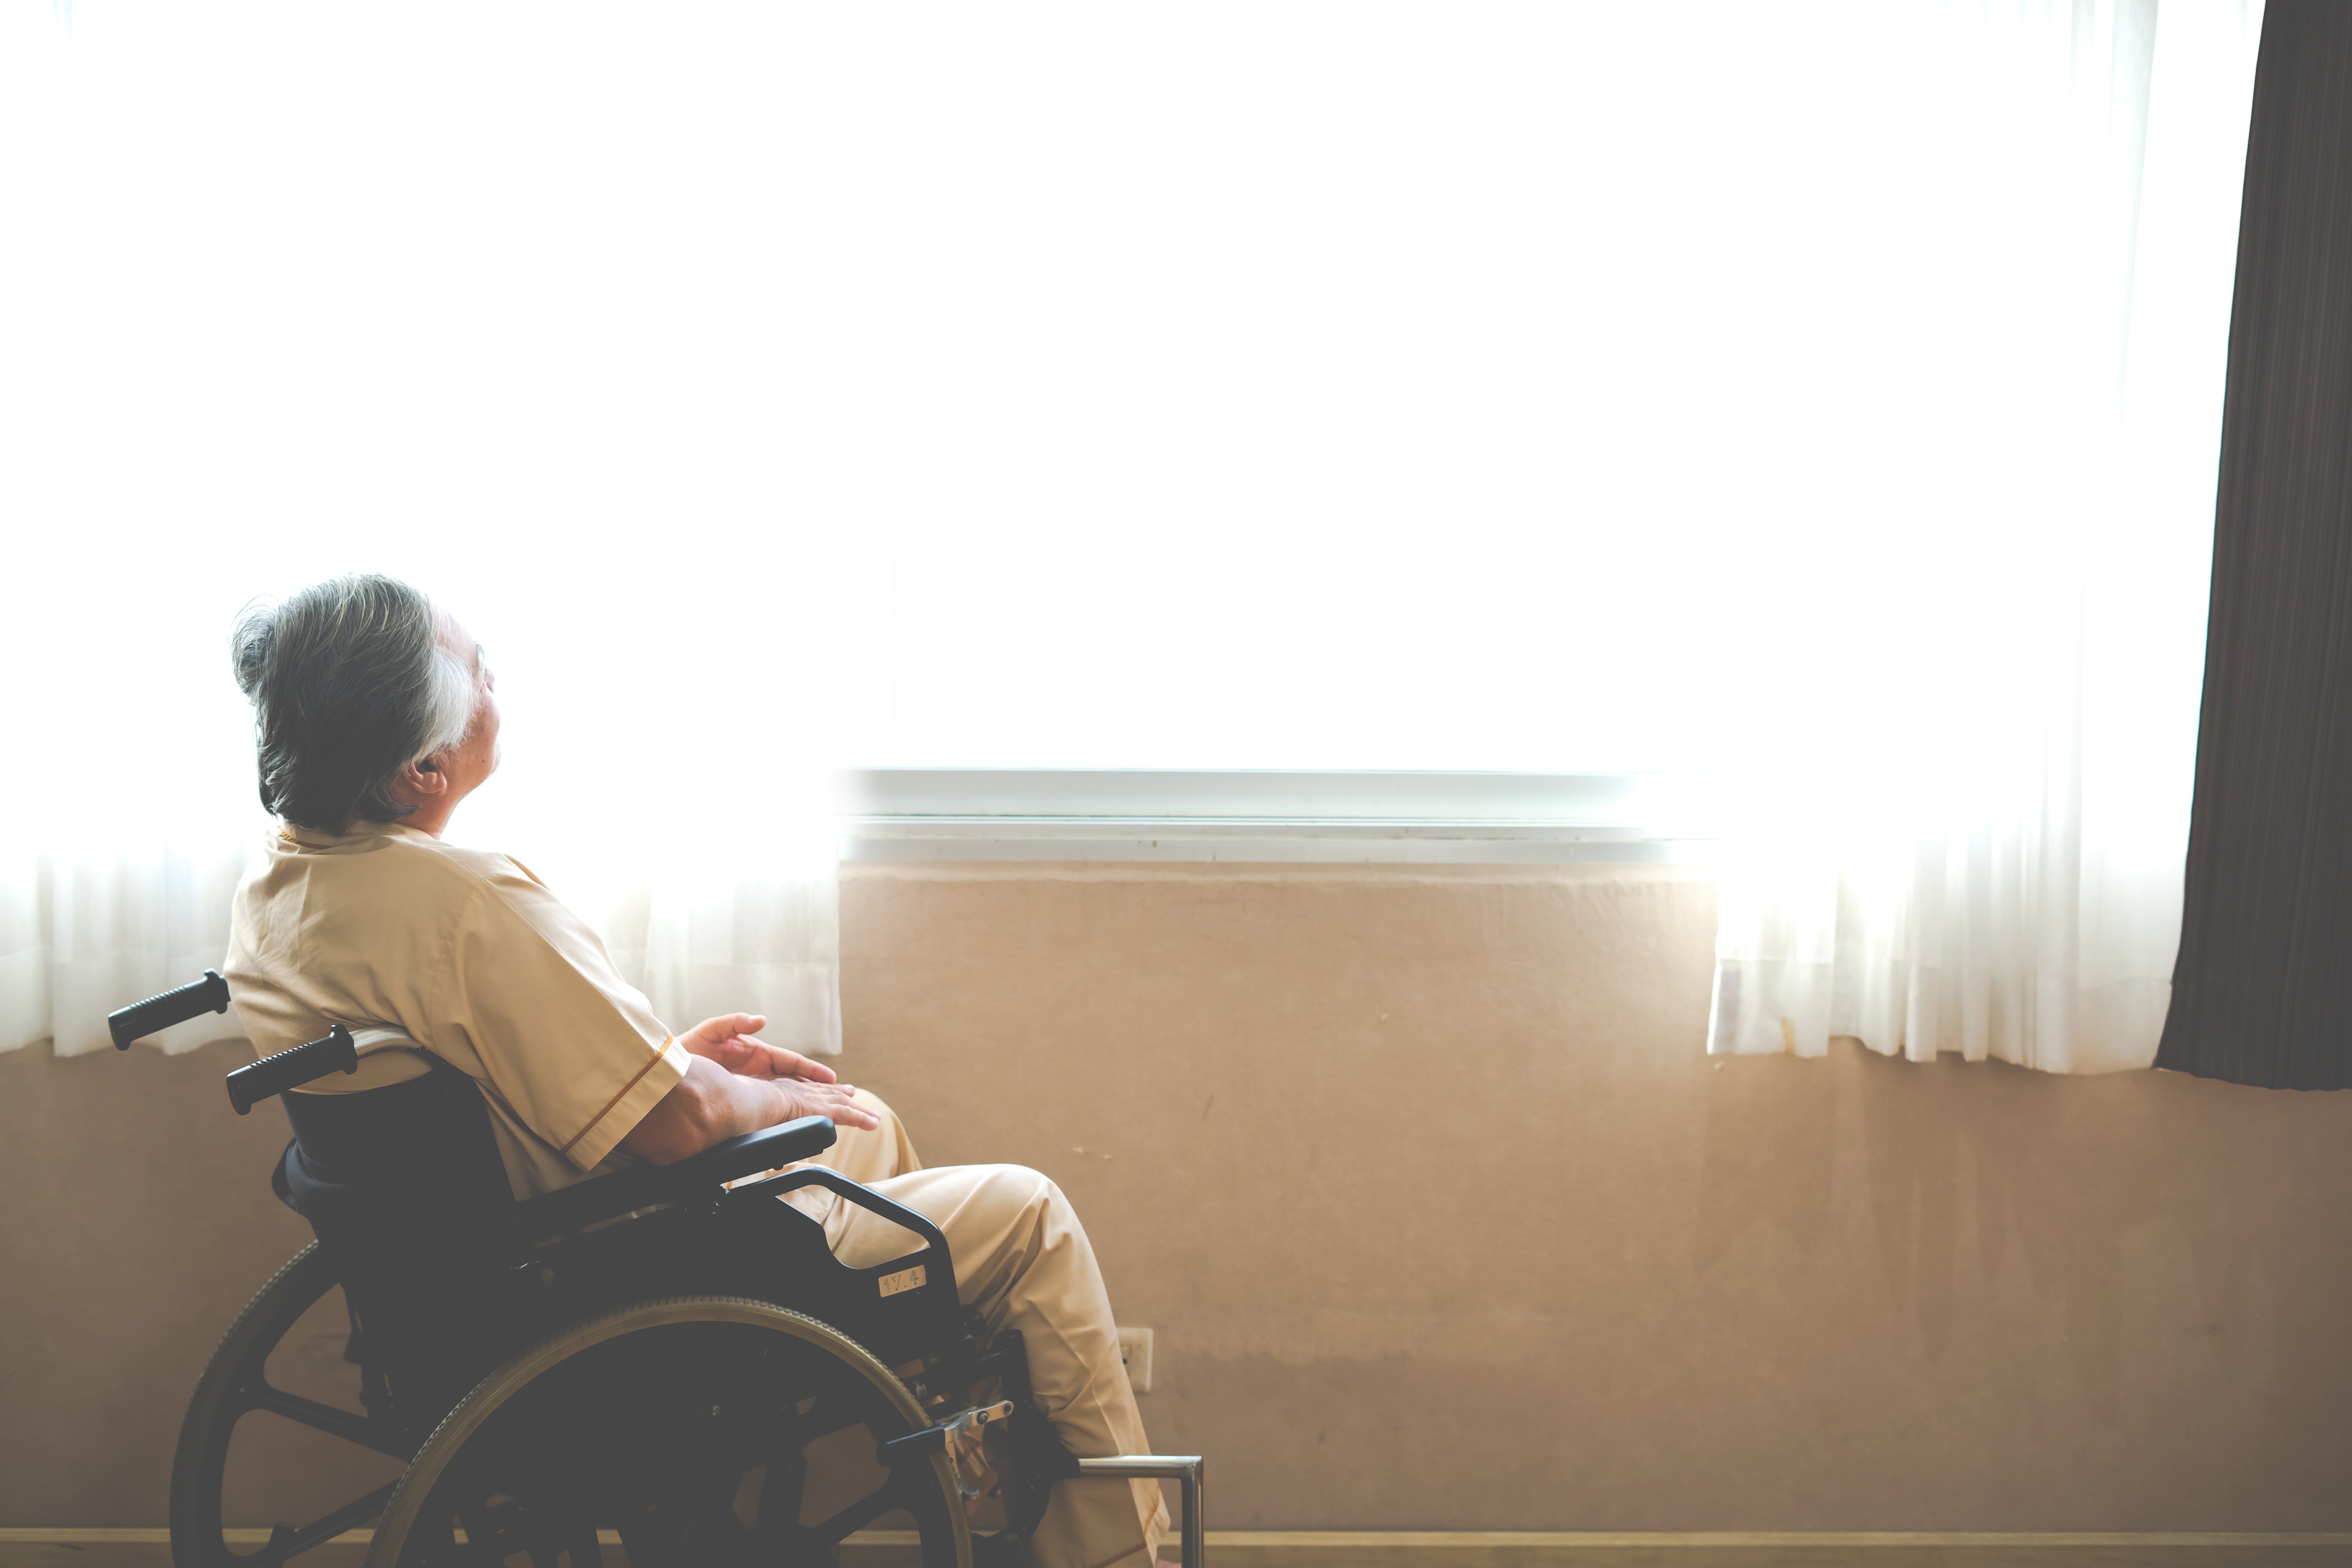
(1188, 1470)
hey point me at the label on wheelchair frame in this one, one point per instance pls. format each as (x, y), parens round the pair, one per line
(905, 1279)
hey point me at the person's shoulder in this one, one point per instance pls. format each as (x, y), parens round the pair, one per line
(463, 867)
(510, 905)
(403, 870)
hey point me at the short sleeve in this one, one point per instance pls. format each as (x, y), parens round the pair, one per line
(573, 1049)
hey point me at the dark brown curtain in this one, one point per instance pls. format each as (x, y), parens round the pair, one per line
(2262, 990)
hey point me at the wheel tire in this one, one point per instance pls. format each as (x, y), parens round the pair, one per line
(414, 1530)
(198, 1462)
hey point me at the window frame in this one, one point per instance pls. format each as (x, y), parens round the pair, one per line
(1312, 818)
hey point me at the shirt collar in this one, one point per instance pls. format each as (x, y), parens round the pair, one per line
(312, 839)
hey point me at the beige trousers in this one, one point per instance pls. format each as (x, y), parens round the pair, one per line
(1022, 1257)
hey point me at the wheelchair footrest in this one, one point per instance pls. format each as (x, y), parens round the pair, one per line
(1188, 1470)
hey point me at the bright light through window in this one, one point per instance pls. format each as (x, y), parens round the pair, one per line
(1306, 385)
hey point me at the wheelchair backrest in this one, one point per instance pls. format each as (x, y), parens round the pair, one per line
(407, 1192)
(427, 1138)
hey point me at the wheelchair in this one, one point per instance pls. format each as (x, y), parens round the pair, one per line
(665, 1357)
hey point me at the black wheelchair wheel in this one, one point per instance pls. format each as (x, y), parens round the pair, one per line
(234, 1385)
(660, 1422)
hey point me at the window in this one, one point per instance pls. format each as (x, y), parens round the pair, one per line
(1569, 399)
(1299, 388)
(1313, 386)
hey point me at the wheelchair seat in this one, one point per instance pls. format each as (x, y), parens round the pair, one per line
(629, 1357)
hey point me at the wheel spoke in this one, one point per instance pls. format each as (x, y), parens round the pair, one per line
(284, 1542)
(326, 1418)
(857, 1515)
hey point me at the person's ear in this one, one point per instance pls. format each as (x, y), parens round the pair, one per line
(422, 780)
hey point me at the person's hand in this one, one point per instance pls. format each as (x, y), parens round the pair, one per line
(728, 1041)
(809, 1089)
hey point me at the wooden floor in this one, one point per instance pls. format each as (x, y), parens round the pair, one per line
(65, 1547)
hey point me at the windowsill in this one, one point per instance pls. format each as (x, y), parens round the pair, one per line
(1422, 818)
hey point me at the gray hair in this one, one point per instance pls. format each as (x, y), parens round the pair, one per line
(351, 682)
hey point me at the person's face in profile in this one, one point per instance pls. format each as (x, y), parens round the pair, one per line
(471, 761)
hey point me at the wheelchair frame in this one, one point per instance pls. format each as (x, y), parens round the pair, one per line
(580, 1248)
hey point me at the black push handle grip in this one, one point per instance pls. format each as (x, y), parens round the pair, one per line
(209, 995)
(249, 1085)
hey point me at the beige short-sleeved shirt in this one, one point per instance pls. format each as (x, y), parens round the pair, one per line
(469, 955)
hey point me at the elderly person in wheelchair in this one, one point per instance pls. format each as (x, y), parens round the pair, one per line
(606, 1274)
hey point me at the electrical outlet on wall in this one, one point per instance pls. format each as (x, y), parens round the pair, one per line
(1134, 1354)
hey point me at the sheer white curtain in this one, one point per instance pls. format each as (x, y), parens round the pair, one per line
(702, 846)
(699, 842)
(1961, 799)
(298, 294)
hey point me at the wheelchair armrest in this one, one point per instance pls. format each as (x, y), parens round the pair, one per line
(570, 1208)
(933, 1286)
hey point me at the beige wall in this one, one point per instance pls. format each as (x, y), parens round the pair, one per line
(1441, 1217)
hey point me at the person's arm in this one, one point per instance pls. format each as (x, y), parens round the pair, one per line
(759, 1086)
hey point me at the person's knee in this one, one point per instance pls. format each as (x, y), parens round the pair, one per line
(1018, 1186)
(1015, 1201)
